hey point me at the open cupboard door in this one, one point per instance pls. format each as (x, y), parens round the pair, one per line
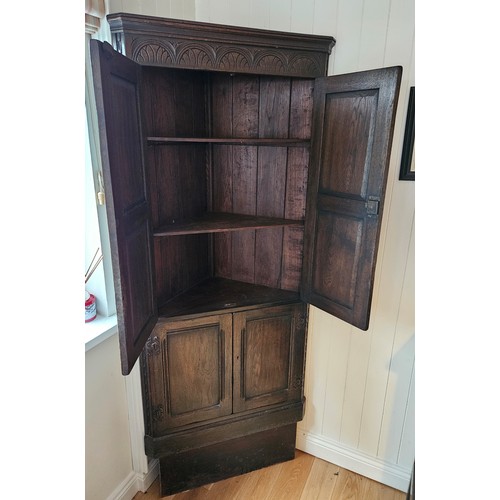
(117, 83)
(353, 123)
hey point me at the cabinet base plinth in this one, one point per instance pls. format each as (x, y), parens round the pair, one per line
(193, 468)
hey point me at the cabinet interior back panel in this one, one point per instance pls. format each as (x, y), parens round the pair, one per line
(186, 261)
(174, 104)
(186, 180)
(260, 180)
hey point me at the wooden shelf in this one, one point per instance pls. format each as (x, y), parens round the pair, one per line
(228, 141)
(220, 294)
(217, 222)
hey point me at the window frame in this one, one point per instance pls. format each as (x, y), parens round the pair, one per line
(101, 283)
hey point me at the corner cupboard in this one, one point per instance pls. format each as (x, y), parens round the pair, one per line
(242, 184)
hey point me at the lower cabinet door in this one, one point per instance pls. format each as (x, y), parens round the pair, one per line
(268, 356)
(187, 372)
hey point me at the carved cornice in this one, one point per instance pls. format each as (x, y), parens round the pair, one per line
(173, 43)
(178, 53)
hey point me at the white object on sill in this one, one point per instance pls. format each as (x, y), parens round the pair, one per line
(90, 307)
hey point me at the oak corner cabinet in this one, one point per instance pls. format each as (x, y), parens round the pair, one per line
(242, 185)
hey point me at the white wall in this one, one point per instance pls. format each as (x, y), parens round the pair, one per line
(178, 9)
(359, 385)
(108, 461)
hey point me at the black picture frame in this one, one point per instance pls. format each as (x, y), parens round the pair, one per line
(407, 169)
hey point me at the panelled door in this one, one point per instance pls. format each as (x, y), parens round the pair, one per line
(189, 367)
(117, 83)
(268, 356)
(353, 122)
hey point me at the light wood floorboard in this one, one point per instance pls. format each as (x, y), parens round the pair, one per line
(304, 478)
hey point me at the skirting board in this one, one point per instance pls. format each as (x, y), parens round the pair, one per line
(135, 482)
(391, 475)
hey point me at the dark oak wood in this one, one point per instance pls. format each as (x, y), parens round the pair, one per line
(229, 141)
(353, 122)
(189, 368)
(274, 113)
(223, 429)
(182, 262)
(301, 104)
(405, 171)
(188, 378)
(232, 49)
(223, 222)
(221, 104)
(258, 180)
(240, 179)
(268, 356)
(117, 87)
(193, 468)
(220, 294)
(174, 103)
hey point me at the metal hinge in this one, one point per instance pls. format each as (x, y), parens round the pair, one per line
(101, 198)
(157, 413)
(372, 205)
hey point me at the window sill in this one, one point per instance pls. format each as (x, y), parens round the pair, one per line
(99, 330)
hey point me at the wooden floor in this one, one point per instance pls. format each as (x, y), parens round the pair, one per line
(305, 478)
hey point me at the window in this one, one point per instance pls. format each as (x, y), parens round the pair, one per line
(100, 283)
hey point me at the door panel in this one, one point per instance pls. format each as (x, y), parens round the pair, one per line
(268, 356)
(341, 236)
(353, 123)
(349, 145)
(117, 85)
(188, 369)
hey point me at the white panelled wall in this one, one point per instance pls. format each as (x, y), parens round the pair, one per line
(359, 385)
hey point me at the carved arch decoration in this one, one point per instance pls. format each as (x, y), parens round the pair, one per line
(221, 57)
(196, 55)
(234, 57)
(302, 62)
(271, 60)
(153, 52)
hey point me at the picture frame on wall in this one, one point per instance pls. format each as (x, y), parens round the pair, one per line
(407, 169)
